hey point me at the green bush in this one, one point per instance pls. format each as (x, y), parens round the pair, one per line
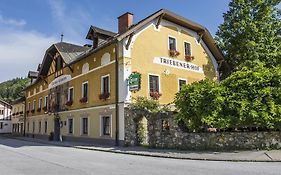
(248, 98)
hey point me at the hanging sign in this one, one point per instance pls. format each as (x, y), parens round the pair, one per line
(134, 81)
(59, 81)
(177, 64)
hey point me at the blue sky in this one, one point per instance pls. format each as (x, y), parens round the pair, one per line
(29, 27)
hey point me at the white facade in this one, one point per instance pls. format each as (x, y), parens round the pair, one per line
(5, 110)
(5, 117)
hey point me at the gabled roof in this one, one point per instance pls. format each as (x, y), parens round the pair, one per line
(5, 103)
(32, 74)
(69, 53)
(99, 31)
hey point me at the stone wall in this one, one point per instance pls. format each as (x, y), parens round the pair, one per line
(164, 132)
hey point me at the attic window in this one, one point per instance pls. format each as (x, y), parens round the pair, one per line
(59, 63)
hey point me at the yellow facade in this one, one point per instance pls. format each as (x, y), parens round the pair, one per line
(141, 54)
(18, 109)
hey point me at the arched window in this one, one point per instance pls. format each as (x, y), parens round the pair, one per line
(105, 59)
(85, 68)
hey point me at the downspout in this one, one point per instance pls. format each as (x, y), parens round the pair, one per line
(116, 95)
(24, 117)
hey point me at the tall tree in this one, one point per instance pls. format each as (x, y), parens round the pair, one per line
(251, 31)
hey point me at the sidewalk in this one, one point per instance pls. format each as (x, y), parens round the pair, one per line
(244, 156)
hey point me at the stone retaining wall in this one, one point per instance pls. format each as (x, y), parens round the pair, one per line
(164, 132)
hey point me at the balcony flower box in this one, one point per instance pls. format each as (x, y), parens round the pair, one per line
(45, 108)
(84, 100)
(189, 58)
(155, 95)
(33, 110)
(17, 113)
(21, 112)
(38, 109)
(69, 103)
(104, 96)
(174, 53)
(13, 114)
(27, 111)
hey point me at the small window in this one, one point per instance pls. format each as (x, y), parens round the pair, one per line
(70, 126)
(106, 125)
(84, 126)
(85, 90)
(28, 106)
(105, 86)
(46, 127)
(34, 105)
(187, 49)
(70, 94)
(181, 83)
(40, 103)
(39, 127)
(1, 125)
(172, 43)
(28, 127)
(46, 101)
(154, 83)
(33, 127)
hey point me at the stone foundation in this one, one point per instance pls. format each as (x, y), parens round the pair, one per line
(164, 132)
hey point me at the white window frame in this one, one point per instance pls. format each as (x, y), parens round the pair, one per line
(101, 125)
(40, 102)
(34, 105)
(184, 79)
(46, 101)
(169, 36)
(148, 85)
(184, 47)
(81, 126)
(68, 93)
(72, 126)
(28, 106)
(101, 89)
(82, 95)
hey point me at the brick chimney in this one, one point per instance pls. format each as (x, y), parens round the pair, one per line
(125, 21)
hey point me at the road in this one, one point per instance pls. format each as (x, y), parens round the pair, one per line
(21, 157)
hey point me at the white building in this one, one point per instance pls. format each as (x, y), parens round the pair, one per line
(5, 117)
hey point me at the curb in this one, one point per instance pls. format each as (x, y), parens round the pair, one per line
(143, 154)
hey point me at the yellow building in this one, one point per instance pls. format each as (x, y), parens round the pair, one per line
(18, 111)
(80, 92)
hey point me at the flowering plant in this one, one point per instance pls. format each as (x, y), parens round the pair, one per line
(189, 57)
(155, 95)
(104, 96)
(174, 53)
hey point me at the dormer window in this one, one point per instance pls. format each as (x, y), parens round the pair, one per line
(59, 64)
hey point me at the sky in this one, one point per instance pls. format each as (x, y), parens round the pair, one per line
(29, 27)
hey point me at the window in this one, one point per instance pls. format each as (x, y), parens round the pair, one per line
(28, 127)
(1, 125)
(85, 90)
(33, 107)
(40, 103)
(46, 101)
(181, 83)
(187, 49)
(154, 83)
(28, 107)
(70, 94)
(172, 43)
(70, 126)
(106, 125)
(39, 127)
(59, 63)
(33, 127)
(46, 127)
(1, 112)
(84, 126)
(105, 85)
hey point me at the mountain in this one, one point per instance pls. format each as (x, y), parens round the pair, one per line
(12, 89)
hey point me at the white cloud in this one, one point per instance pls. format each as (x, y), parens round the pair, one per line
(12, 22)
(71, 22)
(21, 51)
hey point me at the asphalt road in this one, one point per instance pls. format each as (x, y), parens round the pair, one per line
(21, 157)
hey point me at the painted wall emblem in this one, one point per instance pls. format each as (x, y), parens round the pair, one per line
(178, 64)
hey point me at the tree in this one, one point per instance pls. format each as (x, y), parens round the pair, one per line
(251, 31)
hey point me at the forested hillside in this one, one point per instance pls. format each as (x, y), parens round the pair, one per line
(12, 89)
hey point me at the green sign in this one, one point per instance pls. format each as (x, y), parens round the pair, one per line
(134, 81)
